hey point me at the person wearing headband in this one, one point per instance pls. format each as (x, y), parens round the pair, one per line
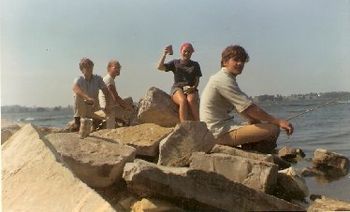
(187, 72)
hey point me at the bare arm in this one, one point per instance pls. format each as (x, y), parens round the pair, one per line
(161, 65)
(257, 113)
(79, 92)
(116, 98)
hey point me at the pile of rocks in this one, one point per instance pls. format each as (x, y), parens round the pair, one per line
(159, 164)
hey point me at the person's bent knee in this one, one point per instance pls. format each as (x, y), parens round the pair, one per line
(275, 131)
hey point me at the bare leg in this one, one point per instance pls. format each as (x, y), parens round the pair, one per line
(180, 99)
(193, 99)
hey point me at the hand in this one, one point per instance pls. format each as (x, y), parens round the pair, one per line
(288, 127)
(189, 89)
(167, 50)
(89, 101)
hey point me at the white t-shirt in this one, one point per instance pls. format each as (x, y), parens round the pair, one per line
(108, 80)
(220, 96)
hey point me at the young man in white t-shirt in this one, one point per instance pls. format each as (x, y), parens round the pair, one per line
(110, 101)
(222, 94)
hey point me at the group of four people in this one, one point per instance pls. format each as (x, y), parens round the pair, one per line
(220, 97)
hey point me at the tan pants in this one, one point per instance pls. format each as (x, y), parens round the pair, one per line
(81, 109)
(263, 136)
(110, 119)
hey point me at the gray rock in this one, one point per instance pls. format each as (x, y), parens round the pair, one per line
(325, 160)
(328, 204)
(290, 185)
(33, 180)
(238, 152)
(96, 161)
(8, 131)
(255, 174)
(187, 137)
(207, 189)
(145, 138)
(157, 107)
(291, 154)
(126, 116)
(282, 164)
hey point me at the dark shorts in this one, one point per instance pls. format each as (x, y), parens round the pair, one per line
(176, 88)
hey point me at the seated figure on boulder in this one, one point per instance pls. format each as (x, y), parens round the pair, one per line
(184, 91)
(86, 89)
(109, 102)
(222, 95)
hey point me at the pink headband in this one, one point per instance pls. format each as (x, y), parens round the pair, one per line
(184, 45)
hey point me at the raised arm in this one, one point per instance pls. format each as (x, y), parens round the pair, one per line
(256, 113)
(161, 65)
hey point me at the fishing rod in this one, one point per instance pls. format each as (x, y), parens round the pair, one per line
(312, 109)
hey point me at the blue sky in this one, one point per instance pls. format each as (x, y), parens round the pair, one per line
(295, 46)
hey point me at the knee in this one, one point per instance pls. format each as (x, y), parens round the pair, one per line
(192, 100)
(274, 131)
(182, 102)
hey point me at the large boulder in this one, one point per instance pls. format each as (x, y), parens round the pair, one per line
(205, 189)
(145, 138)
(326, 161)
(187, 137)
(328, 204)
(33, 180)
(238, 152)
(128, 117)
(97, 162)
(282, 164)
(290, 185)
(255, 174)
(157, 107)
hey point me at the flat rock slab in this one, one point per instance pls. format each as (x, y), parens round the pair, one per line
(328, 204)
(255, 174)
(145, 138)
(238, 152)
(324, 159)
(291, 185)
(33, 180)
(205, 188)
(157, 107)
(187, 137)
(96, 161)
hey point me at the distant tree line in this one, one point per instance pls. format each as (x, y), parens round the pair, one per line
(309, 96)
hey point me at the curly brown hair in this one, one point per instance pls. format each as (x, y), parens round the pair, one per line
(85, 62)
(234, 51)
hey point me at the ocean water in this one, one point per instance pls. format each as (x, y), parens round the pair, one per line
(328, 127)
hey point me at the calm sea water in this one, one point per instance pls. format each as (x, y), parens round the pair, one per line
(327, 127)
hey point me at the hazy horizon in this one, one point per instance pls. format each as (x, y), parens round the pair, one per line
(295, 46)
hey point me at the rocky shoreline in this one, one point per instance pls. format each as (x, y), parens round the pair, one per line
(157, 164)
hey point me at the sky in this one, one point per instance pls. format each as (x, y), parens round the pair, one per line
(295, 46)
